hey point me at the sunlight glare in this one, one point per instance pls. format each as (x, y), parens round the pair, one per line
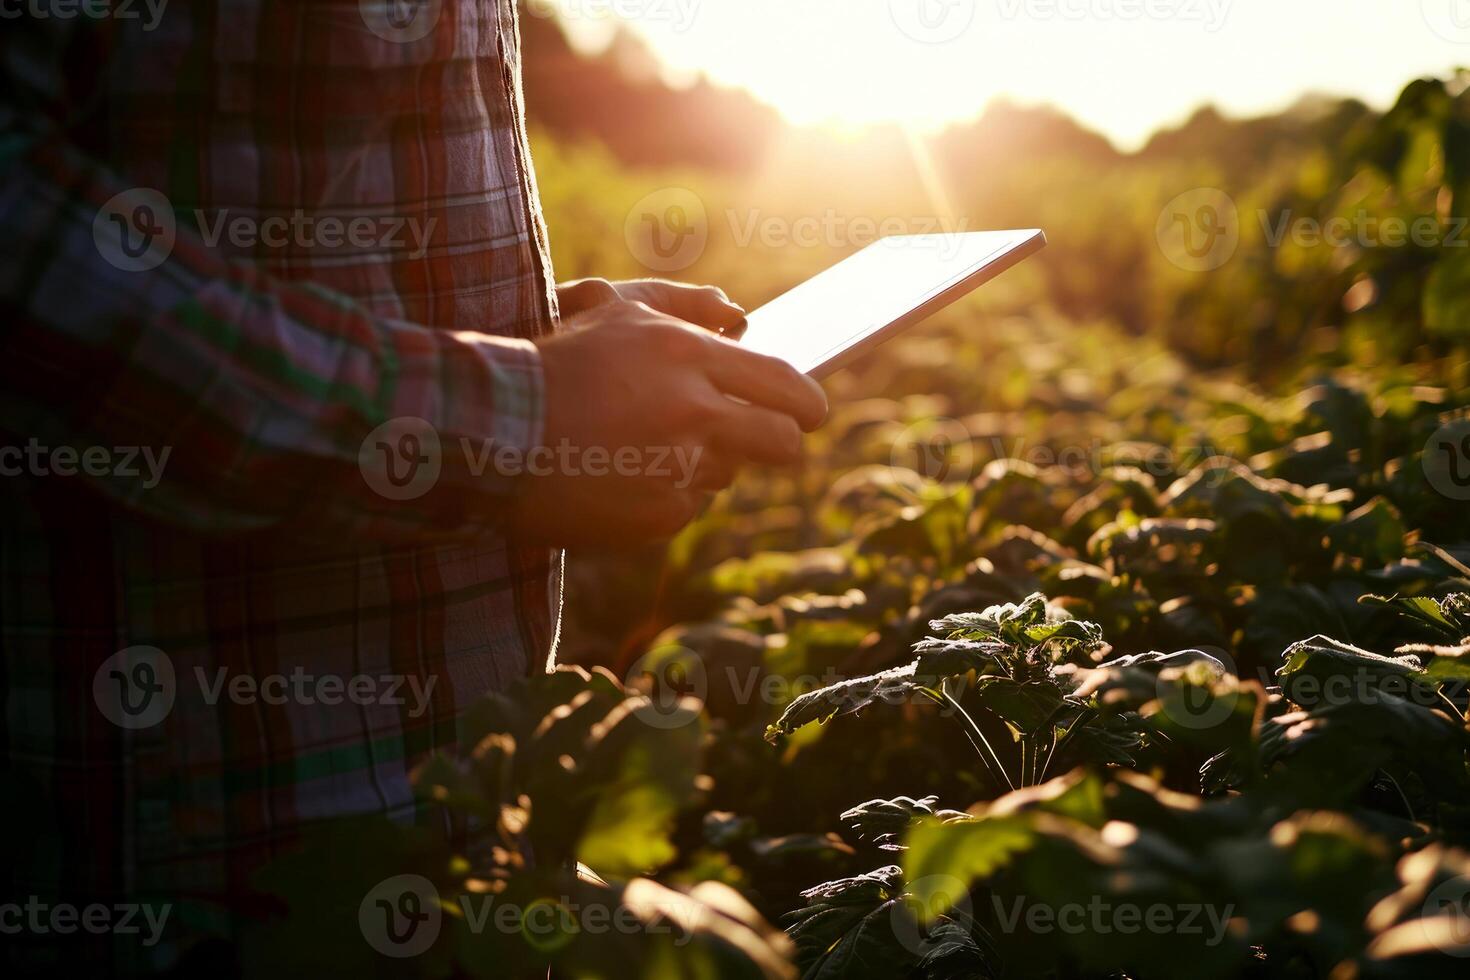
(928, 63)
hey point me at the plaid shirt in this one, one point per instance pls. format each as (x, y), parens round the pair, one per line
(327, 222)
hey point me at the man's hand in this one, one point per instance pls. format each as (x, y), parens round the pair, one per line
(703, 306)
(646, 415)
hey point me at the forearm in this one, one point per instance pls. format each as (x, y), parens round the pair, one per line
(264, 394)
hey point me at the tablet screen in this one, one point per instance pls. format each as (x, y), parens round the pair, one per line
(874, 293)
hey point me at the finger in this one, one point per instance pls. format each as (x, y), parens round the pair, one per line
(585, 294)
(767, 381)
(757, 434)
(705, 306)
(715, 472)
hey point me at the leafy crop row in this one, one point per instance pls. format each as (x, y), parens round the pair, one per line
(1061, 657)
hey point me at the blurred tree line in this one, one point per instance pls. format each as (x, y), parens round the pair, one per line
(1281, 295)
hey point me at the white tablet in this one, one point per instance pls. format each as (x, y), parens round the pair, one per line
(874, 294)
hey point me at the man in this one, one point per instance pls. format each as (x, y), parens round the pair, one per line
(227, 370)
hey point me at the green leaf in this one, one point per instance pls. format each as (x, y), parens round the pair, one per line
(941, 854)
(1420, 928)
(1322, 668)
(655, 766)
(876, 819)
(1449, 617)
(936, 528)
(1373, 533)
(941, 658)
(1447, 295)
(1027, 707)
(848, 928)
(770, 574)
(1448, 664)
(1129, 682)
(891, 686)
(639, 930)
(1328, 753)
(1021, 626)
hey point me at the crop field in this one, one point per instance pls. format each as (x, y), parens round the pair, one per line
(1116, 624)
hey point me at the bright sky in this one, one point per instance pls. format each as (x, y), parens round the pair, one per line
(1124, 67)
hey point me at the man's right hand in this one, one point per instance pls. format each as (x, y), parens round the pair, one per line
(646, 416)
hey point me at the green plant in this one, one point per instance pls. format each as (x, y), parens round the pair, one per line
(558, 772)
(1292, 862)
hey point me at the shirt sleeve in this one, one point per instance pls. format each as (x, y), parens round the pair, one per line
(268, 404)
